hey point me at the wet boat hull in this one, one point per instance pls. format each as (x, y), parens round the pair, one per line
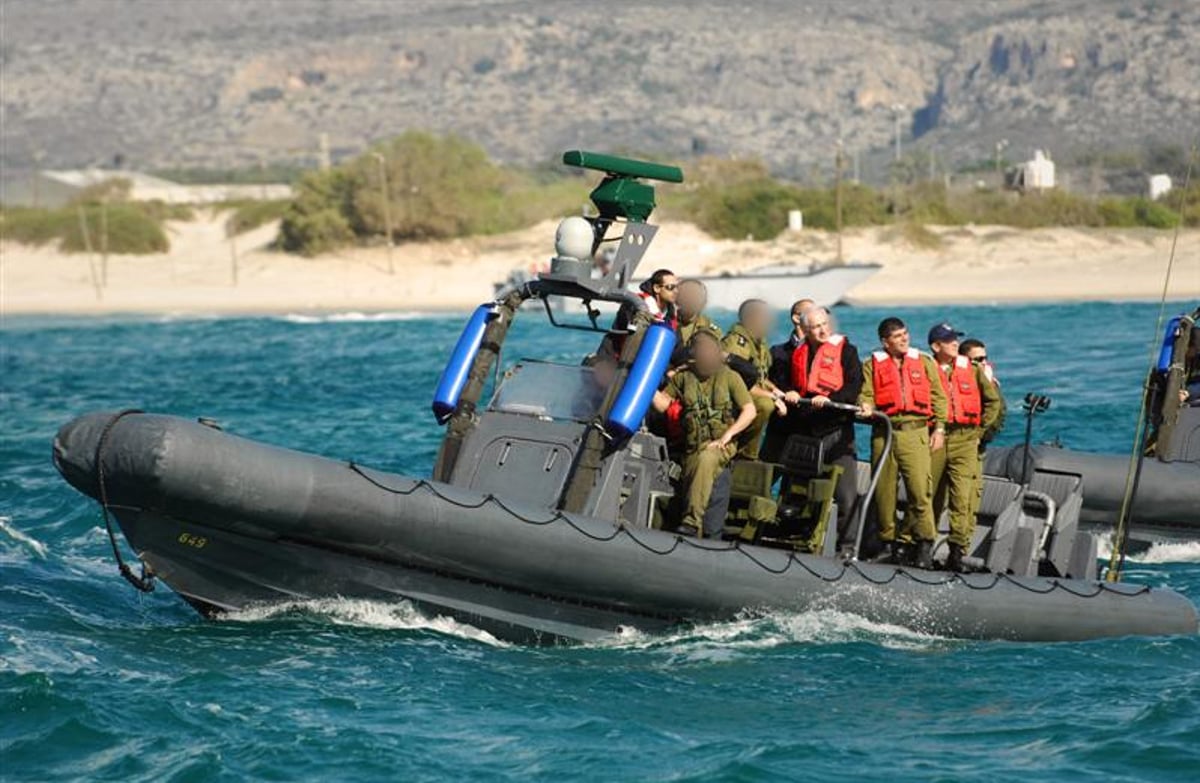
(229, 523)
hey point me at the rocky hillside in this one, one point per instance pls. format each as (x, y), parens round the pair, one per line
(227, 83)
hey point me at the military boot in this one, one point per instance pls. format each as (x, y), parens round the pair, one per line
(954, 561)
(922, 556)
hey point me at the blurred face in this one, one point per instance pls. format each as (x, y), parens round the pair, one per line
(800, 308)
(945, 350)
(818, 329)
(758, 321)
(691, 300)
(897, 342)
(706, 357)
(668, 289)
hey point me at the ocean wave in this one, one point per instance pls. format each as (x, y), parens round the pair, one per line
(363, 613)
(774, 629)
(354, 317)
(27, 540)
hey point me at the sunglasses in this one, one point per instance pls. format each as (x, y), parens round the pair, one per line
(670, 286)
(980, 358)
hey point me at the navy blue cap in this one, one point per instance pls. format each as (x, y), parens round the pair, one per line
(943, 333)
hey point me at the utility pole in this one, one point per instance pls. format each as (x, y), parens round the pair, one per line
(104, 240)
(897, 109)
(837, 197)
(932, 163)
(1000, 145)
(387, 208)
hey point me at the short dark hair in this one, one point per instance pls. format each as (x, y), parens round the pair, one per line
(647, 285)
(748, 305)
(796, 305)
(970, 344)
(889, 325)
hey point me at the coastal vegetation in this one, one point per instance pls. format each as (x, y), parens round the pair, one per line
(420, 186)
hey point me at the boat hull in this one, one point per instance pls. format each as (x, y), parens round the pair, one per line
(1167, 505)
(230, 523)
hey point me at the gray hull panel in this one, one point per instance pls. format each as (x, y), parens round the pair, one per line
(279, 524)
(1168, 499)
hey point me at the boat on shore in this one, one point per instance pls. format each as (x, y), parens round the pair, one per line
(548, 515)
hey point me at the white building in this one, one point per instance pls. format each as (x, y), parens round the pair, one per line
(1159, 186)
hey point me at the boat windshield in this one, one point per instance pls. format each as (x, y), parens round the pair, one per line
(552, 391)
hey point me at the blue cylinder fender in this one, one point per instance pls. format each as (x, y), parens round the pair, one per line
(458, 369)
(1168, 344)
(647, 372)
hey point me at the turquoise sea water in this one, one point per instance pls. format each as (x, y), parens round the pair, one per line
(100, 683)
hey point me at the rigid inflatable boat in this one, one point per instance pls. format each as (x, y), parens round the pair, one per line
(1165, 504)
(548, 515)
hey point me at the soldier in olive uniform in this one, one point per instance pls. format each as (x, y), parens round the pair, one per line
(976, 351)
(749, 354)
(973, 408)
(716, 409)
(902, 383)
(691, 299)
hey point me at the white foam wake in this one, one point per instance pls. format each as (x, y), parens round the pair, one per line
(1159, 552)
(353, 317)
(363, 613)
(825, 626)
(38, 547)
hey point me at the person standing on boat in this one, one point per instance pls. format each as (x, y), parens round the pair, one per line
(975, 350)
(658, 292)
(780, 427)
(826, 368)
(902, 383)
(974, 407)
(748, 353)
(716, 409)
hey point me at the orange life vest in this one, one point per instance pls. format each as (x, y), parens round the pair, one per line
(903, 389)
(826, 375)
(966, 403)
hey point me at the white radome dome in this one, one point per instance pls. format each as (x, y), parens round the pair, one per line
(574, 239)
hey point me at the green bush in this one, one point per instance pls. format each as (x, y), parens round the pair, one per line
(436, 188)
(130, 228)
(249, 215)
(755, 208)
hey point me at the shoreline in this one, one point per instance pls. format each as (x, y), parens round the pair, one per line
(973, 265)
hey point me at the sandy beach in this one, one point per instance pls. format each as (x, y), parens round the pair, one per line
(972, 264)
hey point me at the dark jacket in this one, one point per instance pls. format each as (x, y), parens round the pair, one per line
(809, 421)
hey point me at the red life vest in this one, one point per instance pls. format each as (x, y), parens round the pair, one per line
(966, 403)
(903, 389)
(826, 375)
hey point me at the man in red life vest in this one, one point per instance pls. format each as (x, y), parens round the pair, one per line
(825, 368)
(974, 407)
(902, 383)
(975, 350)
(659, 292)
(779, 428)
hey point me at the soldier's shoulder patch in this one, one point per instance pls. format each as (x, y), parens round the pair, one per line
(741, 341)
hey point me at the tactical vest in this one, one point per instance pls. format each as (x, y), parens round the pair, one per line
(904, 389)
(706, 415)
(826, 376)
(966, 402)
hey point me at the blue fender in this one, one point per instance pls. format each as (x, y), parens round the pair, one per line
(458, 369)
(647, 372)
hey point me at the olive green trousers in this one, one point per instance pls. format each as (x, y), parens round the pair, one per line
(909, 461)
(958, 482)
(700, 471)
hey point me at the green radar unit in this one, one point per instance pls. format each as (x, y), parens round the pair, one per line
(621, 194)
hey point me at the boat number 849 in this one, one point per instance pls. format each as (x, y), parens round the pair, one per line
(192, 540)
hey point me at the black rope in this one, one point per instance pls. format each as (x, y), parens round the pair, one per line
(736, 546)
(145, 582)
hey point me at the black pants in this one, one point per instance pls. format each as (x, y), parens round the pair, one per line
(846, 494)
